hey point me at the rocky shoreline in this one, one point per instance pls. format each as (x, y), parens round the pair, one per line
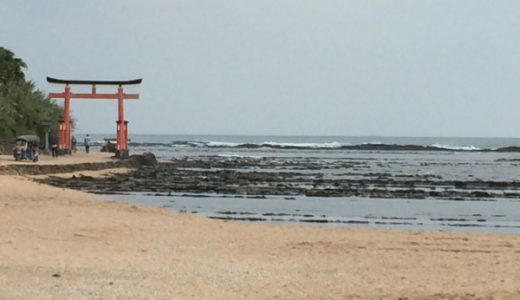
(245, 177)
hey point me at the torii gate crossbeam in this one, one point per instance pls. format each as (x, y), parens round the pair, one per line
(64, 136)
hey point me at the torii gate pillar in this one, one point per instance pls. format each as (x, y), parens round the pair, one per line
(122, 126)
(64, 136)
(64, 126)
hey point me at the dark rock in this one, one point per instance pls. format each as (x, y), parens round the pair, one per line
(145, 159)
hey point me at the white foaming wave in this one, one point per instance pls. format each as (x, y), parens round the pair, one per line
(372, 143)
(198, 144)
(223, 144)
(331, 145)
(304, 145)
(464, 148)
(229, 155)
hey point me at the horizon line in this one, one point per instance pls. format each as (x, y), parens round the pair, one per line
(310, 135)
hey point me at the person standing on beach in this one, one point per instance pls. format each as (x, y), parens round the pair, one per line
(74, 144)
(53, 141)
(87, 143)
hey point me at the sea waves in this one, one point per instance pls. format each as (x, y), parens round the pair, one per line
(372, 146)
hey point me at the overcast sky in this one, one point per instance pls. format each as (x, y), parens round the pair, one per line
(290, 67)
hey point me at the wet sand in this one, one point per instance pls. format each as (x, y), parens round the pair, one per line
(62, 244)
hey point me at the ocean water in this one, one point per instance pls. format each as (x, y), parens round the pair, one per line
(444, 159)
(305, 142)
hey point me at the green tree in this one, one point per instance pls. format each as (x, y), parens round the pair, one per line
(11, 68)
(7, 114)
(23, 108)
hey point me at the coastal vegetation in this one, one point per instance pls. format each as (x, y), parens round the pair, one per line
(24, 109)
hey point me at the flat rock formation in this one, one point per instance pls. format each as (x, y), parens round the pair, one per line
(308, 177)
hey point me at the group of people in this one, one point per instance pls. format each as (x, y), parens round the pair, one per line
(53, 139)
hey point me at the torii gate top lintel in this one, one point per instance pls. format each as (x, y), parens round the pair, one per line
(94, 82)
(64, 138)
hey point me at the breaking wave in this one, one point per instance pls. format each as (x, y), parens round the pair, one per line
(457, 148)
(372, 146)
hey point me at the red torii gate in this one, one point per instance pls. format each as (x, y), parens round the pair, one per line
(64, 130)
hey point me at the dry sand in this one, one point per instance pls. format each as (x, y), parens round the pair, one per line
(63, 244)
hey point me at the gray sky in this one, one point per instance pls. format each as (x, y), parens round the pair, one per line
(406, 68)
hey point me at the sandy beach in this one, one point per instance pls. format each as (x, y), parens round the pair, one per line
(63, 244)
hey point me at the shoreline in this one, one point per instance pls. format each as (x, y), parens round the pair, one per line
(60, 243)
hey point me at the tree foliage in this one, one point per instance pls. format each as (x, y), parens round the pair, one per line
(23, 108)
(11, 67)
